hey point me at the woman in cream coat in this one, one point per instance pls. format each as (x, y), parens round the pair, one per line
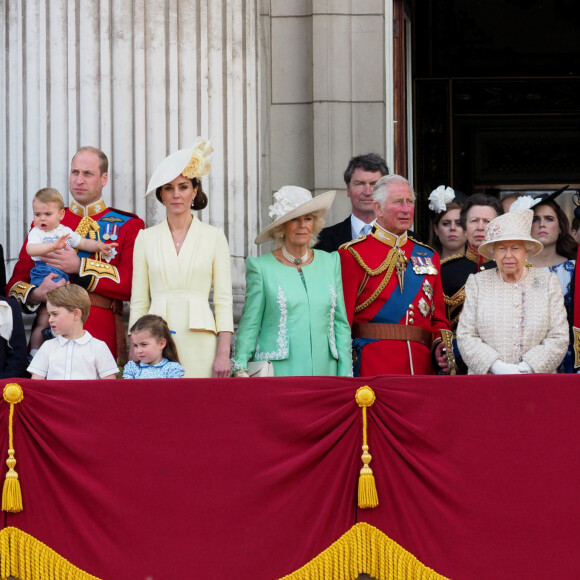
(176, 263)
(513, 320)
(294, 313)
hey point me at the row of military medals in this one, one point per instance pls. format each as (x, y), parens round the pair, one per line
(423, 265)
(111, 232)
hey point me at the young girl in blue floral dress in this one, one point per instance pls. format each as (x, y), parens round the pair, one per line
(155, 348)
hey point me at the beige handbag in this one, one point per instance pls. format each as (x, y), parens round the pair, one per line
(260, 368)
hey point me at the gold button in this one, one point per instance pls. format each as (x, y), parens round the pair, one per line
(411, 306)
(411, 321)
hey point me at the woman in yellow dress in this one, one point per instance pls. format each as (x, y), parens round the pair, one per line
(177, 262)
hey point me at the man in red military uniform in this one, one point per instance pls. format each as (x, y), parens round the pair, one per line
(392, 290)
(108, 281)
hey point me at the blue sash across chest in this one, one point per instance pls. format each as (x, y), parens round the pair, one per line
(398, 302)
(395, 306)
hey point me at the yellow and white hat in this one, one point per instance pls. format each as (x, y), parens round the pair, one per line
(193, 162)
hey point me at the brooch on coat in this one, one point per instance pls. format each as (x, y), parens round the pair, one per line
(423, 307)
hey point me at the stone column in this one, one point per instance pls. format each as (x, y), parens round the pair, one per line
(329, 91)
(139, 79)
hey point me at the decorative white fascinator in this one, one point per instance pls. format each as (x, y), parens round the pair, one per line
(440, 197)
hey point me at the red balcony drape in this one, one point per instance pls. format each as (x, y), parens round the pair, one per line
(252, 478)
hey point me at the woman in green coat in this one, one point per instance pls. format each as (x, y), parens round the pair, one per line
(294, 313)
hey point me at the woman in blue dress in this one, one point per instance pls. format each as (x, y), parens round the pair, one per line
(552, 228)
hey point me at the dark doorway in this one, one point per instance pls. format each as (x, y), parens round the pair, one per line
(496, 95)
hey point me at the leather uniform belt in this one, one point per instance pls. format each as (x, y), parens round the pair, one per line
(384, 331)
(107, 303)
(121, 335)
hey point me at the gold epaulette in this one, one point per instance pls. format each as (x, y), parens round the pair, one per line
(20, 291)
(420, 243)
(347, 245)
(475, 256)
(451, 258)
(91, 267)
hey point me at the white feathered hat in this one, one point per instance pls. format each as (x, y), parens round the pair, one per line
(292, 201)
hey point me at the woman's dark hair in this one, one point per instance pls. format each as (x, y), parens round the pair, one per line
(200, 199)
(434, 241)
(565, 245)
(158, 329)
(478, 199)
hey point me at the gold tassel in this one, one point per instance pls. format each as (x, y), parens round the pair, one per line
(367, 489)
(88, 227)
(11, 494)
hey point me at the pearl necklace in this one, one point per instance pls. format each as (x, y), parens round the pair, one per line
(293, 259)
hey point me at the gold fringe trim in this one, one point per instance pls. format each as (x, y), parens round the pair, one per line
(27, 558)
(11, 493)
(364, 549)
(367, 489)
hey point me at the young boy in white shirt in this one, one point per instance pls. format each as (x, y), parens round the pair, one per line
(74, 354)
(48, 235)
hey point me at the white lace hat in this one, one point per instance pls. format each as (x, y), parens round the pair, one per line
(292, 201)
(193, 162)
(514, 225)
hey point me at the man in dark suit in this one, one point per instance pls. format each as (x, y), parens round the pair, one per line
(360, 177)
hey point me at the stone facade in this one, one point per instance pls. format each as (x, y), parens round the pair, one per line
(287, 92)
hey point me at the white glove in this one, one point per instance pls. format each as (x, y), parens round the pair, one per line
(501, 368)
(525, 368)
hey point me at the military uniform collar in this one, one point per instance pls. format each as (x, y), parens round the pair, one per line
(89, 210)
(475, 256)
(388, 238)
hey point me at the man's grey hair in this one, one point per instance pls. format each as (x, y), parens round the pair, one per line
(381, 189)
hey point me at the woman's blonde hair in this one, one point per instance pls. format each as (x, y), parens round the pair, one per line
(277, 233)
